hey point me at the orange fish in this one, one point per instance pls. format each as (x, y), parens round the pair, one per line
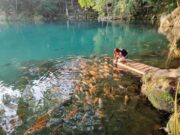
(72, 113)
(96, 100)
(38, 126)
(92, 90)
(21, 116)
(92, 72)
(126, 99)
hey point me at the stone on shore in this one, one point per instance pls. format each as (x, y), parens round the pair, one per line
(160, 87)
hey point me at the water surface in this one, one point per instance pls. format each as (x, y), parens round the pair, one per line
(30, 42)
(42, 64)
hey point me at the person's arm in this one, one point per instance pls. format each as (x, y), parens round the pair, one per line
(122, 59)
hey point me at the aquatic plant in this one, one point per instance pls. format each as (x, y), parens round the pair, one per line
(173, 125)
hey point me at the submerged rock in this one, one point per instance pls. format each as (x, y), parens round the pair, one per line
(160, 87)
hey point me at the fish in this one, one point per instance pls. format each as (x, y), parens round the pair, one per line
(83, 64)
(92, 72)
(72, 113)
(126, 99)
(77, 97)
(100, 103)
(23, 68)
(96, 101)
(7, 64)
(87, 95)
(109, 95)
(92, 90)
(120, 86)
(58, 129)
(106, 75)
(38, 126)
(84, 118)
(55, 89)
(42, 117)
(99, 114)
(21, 116)
(77, 89)
(84, 83)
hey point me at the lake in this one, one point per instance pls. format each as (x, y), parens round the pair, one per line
(32, 42)
(42, 66)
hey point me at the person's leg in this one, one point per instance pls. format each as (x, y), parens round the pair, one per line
(115, 61)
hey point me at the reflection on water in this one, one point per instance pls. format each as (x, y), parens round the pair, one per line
(37, 95)
(50, 41)
(54, 93)
(104, 101)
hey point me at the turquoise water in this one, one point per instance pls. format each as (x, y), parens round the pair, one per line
(40, 68)
(36, 42)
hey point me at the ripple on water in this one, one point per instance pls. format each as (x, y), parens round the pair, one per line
(41, 94)
(82, 96)
(8, 106)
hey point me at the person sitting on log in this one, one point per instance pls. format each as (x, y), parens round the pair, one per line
(120, 54)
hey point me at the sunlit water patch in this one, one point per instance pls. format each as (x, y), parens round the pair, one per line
(37, 95)
(8, 107)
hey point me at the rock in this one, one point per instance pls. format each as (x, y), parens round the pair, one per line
(170, 27)
(160, 87)
(171, 20)
(2, 16)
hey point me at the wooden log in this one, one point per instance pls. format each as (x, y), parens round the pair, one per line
(136, 67)
(122, 65)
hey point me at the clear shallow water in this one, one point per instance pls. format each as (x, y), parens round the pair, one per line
(42, 62)
(30, 42)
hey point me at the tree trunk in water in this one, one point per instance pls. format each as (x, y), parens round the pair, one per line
(67, 24)
(67, 12)
(72, 3)
(16, 6)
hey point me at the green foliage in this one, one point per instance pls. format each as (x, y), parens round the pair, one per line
(97, 5)
(86, 3)
(29, 8)
(126, 7)
(168, 4)
(52, 8)
(100, 6)
(119, 7)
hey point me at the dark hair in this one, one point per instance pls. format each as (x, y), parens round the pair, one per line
(117, 50)
(124, 52)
